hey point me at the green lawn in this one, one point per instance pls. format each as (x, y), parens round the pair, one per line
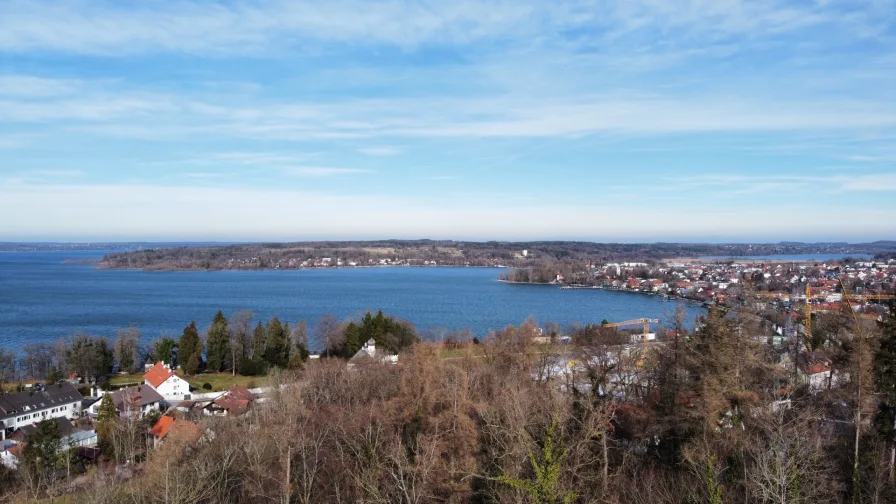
(223, 381)
(124, 380)
(218, 381)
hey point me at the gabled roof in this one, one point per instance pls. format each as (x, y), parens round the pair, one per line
(65, 428)
(241, 393)
(233, 405)
(158, 374)
(30, 400)
(139, 396)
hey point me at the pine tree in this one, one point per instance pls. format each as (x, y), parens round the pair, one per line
(277, 345)
(259, 339)
(164, 349)
(189, 349)
(106, 417)
(353, 340)
(218, 345)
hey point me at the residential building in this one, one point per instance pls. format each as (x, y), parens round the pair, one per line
(29, 407)
(368, 353)
(138, 400)
(11, 454)
(235, 401)
(167, 383)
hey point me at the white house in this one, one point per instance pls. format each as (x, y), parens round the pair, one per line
(167, 383)
(10, 454)
(368, 353)
(26, 408)
(815, 369)
(138, 400)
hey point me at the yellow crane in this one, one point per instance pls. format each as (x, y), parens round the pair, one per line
(641, 321)
(808, 304)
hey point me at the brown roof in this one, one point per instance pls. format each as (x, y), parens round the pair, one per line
(176, 427)
(140, 396)
(242, 393)
(233, 405)
(158, 374)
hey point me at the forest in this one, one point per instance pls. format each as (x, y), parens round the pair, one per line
(541, 254)
(710, 415)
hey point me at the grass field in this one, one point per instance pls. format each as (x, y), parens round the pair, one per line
(218, 381)
(223, 381)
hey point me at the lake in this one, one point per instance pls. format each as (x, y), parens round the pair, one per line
(42, 299)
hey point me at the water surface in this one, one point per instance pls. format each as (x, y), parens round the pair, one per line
(42, 299)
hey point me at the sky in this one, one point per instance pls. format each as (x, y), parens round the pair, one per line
(635, 120)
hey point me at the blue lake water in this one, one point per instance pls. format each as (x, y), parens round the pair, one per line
(42, 299)
(792, 257)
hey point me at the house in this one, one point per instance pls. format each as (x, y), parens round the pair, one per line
(235, 401)
(71, 435)
(11, 454)
(368, 353)
(66, 427)
(816, 370)
(169, 427)
(138, 400)
(25, 408)
(167, 383)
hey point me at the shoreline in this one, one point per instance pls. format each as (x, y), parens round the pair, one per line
(306, 268)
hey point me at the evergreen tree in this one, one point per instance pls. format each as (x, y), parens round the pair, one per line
(277, 345)
(163, 349)
(106, 418)
(259, 339)
(298, 357)
(44, 452)
(389, 333)
(189, 349)
(90, 357)
(218, 349)
(353, 340)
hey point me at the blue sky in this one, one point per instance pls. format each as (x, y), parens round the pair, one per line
(642, 120)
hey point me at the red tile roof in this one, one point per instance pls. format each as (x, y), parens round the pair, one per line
(157, 375)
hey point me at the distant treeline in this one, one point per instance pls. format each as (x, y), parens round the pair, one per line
(448, 253)
(237, 344)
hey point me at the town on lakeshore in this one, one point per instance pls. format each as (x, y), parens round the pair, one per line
(787, 347)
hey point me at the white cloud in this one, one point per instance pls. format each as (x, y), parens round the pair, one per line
(177, 212)
(28, 86)
(380, 151)
(59, 173)
(109, 27)
(321, 171)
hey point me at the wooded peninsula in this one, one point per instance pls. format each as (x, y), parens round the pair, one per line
(259, 256)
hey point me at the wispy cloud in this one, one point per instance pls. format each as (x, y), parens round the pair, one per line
(59, 173)
(321, 171)
(380, 151)
(595, 100)
(107, 27)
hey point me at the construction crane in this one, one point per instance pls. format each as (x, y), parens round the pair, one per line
(641, 321)
(808, 309)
